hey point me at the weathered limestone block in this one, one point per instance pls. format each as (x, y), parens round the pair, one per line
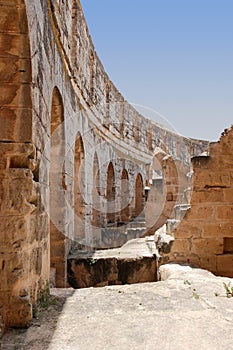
(15, 70)
(19, 314)
(85, 273)
(16, 124)
(15, 95)
(134, 262)
(168, 183)
(12, 18)
(12, 45)
(224, 265)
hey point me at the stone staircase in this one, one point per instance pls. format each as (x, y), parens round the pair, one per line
(116, 236)
(179, 212)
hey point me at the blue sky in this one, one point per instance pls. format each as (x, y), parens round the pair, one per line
(173, 56)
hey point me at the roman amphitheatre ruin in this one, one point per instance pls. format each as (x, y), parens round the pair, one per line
(82, 171)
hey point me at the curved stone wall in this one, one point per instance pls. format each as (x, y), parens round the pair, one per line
(63, 123)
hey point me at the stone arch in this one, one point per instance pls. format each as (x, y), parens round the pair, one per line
(96, 213)
(139, 196)
(79, 188)
(125, 206)
(111, 194)
(57, 191)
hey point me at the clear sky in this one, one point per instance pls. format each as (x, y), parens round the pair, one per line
(173, 56)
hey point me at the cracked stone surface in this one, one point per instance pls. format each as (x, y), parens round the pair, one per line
(188, 309)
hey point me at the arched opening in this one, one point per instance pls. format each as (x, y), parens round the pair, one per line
(111, 194)
(57, 189)
(96, 213)
(79, 189)
(139, 197)
(125, 212)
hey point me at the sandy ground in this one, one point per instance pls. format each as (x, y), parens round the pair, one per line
(43, 326)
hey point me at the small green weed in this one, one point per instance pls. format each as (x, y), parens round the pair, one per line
(44, 301)
(92, 261)
(44, 297)
(195, 294)
(228, 289)
(186, 282)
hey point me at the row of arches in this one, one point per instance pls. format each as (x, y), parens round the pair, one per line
(130, 205)
(112, 201)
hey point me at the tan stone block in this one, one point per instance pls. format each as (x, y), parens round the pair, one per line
(10, 149)
(18, 195)
(224, 161)
(15, 70)
(209, 179)
(225, 265)
(14, 267)
(3, 164)
(13, 19)
(12, 2)
(225, 212)
(228, 195)
(16, 125)
(14, 45)
(207, 196)
(188, 230)
(207, 246)
(15, 95)
(19, 313)
(211, 230)
(200, 212)
(181, 246)
(209, 262)
(13, 232)
(226, 229)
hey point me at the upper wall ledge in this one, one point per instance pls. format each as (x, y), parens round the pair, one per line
(99, 95)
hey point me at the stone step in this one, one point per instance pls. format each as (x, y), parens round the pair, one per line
(180, 210)
(171, 225)
(135, 232)
(136, 224)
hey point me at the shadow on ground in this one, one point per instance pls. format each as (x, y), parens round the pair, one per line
(39, 335)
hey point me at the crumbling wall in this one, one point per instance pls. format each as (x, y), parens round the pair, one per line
(169, 190)
(205, 236)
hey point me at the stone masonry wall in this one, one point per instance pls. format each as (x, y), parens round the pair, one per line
(205, 236)
(58, 107)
